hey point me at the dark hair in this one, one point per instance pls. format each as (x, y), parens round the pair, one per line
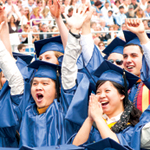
(70, 9)
(135, 113)
(97, 3)
(117, 1)
(132, 44)
(20, 46)
(120, 7)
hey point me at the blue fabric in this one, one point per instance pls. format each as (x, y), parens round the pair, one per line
(138, 127)
(77, 111)
(11, 107)
(106, 144)
(45, 69)
(46, 129)
(116, 46)
(145, 73)
(111, 72)
(51, 44)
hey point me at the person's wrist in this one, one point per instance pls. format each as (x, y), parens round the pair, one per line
(143, 37)
(74, 31)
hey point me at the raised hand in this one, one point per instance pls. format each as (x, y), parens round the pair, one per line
(95, 108)
(89, 12)
(2, 14)
(78, 18)
(54, 8)
(135, 25)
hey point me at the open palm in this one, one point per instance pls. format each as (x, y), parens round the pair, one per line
(77, 19)
(54, 8)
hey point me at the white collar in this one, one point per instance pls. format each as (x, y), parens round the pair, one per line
(113, 119)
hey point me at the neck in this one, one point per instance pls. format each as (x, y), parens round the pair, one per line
(42, 110)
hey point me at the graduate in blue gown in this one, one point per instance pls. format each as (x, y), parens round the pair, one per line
(43, 123)
(114, 52)
(136, 49)
(110, 113)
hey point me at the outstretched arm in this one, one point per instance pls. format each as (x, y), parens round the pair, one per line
(87, 42)
(4, 31)
(73, 49)
(55, 10)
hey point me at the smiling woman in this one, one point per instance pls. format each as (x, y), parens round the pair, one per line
(110, 112)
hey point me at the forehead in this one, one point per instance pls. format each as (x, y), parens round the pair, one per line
(132, 49)
(48, 53)
(36, 79)
(105, 85)
(115, 56)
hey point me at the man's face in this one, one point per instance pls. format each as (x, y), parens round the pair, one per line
(45, 28)
(132, 59)
(106, 5)
(22, 50)
(121, 10)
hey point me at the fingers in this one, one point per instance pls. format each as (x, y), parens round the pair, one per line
(132, 22)
(50, 2)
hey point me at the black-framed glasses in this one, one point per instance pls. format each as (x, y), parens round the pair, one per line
(118, 61)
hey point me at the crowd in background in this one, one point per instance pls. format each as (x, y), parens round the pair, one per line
(108, 15)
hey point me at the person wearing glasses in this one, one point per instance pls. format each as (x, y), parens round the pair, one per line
(114, 52)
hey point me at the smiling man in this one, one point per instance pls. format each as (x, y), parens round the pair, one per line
(136, 49)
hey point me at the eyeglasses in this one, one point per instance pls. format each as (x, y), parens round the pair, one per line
(118, 61)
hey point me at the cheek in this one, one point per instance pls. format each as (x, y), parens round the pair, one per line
(3, 80)
(32, 91)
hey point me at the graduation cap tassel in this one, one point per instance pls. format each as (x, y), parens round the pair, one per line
(57, 85)
(126, 88)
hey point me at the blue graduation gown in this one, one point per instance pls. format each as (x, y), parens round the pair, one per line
(92, 65)
(124, 136)
(46, 129)
(10, 108)
(145, 73)
(138, 127)
(86, 83)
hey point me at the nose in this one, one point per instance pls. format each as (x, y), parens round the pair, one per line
(128, 59)
(102, 95)
(39, 87)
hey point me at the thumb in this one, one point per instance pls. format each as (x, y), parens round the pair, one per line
(1, 25)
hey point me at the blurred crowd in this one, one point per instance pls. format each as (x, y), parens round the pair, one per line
(33, 16)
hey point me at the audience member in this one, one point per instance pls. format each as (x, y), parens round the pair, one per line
(13, 23)
(135, 4)
(97, 6)
(44, 29)
(105, 9)
(21, 48)
(70, 12)
(109, 19)
(120, 17)
(143, 5)
(131, 13)
(140, 13)
(36, 15)
(116, 7)
(147, 12)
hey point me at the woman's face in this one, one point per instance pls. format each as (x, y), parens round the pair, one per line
(43, 91)
(12, 19)
(111, 100)
(26, 11)
(3, 79)
(49, 56)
